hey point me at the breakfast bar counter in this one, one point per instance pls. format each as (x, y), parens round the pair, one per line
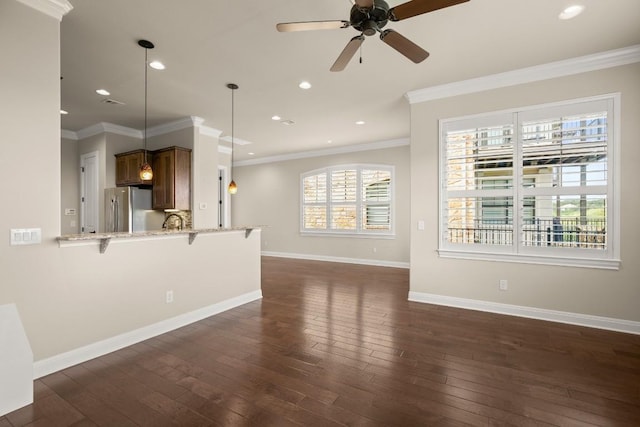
(105, 238)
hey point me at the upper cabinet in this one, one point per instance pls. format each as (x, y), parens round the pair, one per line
(128, 168)
(172, 178)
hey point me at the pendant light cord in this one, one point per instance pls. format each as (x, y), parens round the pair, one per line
(232, 126)
(146, 51)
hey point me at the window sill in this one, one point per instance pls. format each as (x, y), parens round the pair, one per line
(599, 263)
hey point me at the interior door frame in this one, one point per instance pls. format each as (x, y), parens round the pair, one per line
(224, 205)
(89, 193)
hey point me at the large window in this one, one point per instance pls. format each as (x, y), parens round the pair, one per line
(533, 185)
(353, 199)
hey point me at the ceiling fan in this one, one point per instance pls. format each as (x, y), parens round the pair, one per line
(369, 17)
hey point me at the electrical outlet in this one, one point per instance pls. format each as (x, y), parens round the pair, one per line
(504, 285)
(169, 297)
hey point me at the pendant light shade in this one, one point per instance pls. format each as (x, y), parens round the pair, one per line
(146, 173)
(232, 188)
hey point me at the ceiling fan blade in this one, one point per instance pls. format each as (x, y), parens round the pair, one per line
(404, 46)
(311, 25)
(418, 7)
(347, 53)
(364, 4)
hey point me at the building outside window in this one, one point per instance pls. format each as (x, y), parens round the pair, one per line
(534, 185)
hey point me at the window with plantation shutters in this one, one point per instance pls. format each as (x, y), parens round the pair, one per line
(531, 185)
(353, 199)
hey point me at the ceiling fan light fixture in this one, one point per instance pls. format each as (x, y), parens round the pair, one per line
(369, 17)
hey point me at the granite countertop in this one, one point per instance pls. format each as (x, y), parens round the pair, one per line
(125, 235)
(105, 238)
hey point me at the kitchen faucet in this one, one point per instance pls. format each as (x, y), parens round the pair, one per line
(166, 220)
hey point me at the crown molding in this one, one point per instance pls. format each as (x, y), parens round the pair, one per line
(187, 122)
(103, 127)
(209, 131)
(582, 64)
(236, 141)
(54, 8)
(224, 149)
(68, 134)
(327, 152)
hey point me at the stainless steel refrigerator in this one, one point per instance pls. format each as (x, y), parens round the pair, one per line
(128, 209)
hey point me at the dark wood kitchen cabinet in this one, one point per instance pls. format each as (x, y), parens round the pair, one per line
(128, 168)
(172, 178)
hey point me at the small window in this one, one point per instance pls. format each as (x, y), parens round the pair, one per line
(533, 185)
(348, 200)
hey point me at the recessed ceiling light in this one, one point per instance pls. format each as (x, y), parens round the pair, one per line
(276, 118)
(103, 92)
(157, 65)
(304, 85)
(571, 11)
(329, 141)
(63, 112)
(251, 153)
(360, 122)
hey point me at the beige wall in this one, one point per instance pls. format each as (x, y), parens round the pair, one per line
(588, 291)
(269, 194)
(71, 297)
(205, 181)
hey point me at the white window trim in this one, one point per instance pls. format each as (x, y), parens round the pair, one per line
(359, 232)
(573, 257)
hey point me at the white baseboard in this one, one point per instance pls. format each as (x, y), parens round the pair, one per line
(598, 322)
(64, 360)
(375, 262)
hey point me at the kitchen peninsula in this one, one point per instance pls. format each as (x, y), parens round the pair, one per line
(105, 238)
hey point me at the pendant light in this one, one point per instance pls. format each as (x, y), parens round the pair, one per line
(233, 188)
(146, 173)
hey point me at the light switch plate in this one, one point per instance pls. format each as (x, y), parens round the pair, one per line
(26, 236)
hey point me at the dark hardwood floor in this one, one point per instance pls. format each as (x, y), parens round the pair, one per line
(338, 344)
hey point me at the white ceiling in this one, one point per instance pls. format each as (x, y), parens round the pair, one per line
(206, 44)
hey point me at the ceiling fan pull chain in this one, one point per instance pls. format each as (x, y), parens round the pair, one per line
(361, 54)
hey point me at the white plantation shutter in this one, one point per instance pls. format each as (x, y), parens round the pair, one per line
(354, 199)
(535, 182)
(376, 199)
(567, 153)
(314, 194)
(478, 182)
